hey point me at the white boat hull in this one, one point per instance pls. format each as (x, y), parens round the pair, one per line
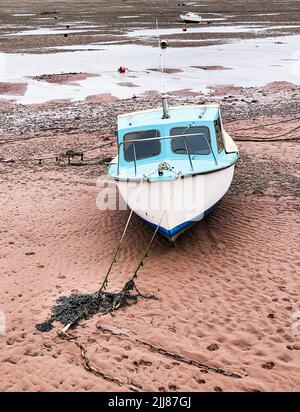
(191, 18)
(176, 204)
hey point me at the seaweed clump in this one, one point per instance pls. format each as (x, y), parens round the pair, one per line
(70, 309)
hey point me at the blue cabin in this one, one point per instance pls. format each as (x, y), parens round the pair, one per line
(190, 139)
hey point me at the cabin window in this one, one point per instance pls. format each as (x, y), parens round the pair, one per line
(142, 149)
(219, 136)
(197, 144)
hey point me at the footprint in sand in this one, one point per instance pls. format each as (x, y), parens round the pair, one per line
(145, 363)
(172, 387)
(212, 347)
(268, 365)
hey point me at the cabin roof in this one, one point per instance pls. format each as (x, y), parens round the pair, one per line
(208, 112)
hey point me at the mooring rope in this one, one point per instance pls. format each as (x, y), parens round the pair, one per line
(130, 284)
(144, 255)
(105, 281)
(84, 306)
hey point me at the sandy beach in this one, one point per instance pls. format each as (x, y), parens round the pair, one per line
(226, 317)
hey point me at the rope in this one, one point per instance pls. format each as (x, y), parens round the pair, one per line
(272, 137)
(53, 157)
(145, 253)
(246, 138)
(263, 125)
(130, 284)
(288, 139)
(105, 281)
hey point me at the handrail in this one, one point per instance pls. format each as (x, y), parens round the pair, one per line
(134, 155)
(188, 152)
(163, 138)
(209, 144)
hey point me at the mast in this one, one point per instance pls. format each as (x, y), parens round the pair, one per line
(164, 101)
(162, 46)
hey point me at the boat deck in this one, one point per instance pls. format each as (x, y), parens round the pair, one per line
(201, 165)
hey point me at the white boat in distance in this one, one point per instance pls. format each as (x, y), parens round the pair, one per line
(191, 17)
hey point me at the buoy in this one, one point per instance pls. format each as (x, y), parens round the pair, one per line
(184, 29)
(163, 44)
(67, 26)
(65, 35)
(122, 69)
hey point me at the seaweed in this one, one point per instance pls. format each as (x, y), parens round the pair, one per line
(70, 309)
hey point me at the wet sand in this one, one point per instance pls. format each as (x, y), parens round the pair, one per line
(88, 22)
(55, 49)
(64, 78)
(17, 89)
(228, 293)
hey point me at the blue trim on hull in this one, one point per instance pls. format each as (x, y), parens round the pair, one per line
(175, 232)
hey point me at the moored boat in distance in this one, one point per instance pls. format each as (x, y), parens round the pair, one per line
(173, 165)
(191, 17)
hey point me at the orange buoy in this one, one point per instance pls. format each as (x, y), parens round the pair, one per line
(122, 69)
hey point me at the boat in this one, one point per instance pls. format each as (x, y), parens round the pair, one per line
(191, 17)
(174, 165)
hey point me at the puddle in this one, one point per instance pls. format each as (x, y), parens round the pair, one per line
(253, 62)
(128, 17)
(48, 18)
(289, 26)
(24, 14)
(197, 40)
(14, 26)
(214, 19)
(249, 28)
(88, 47)
(267, 14)
(201, 29)
(47, 31)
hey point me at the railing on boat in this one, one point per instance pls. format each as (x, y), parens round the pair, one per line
(164, 138)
